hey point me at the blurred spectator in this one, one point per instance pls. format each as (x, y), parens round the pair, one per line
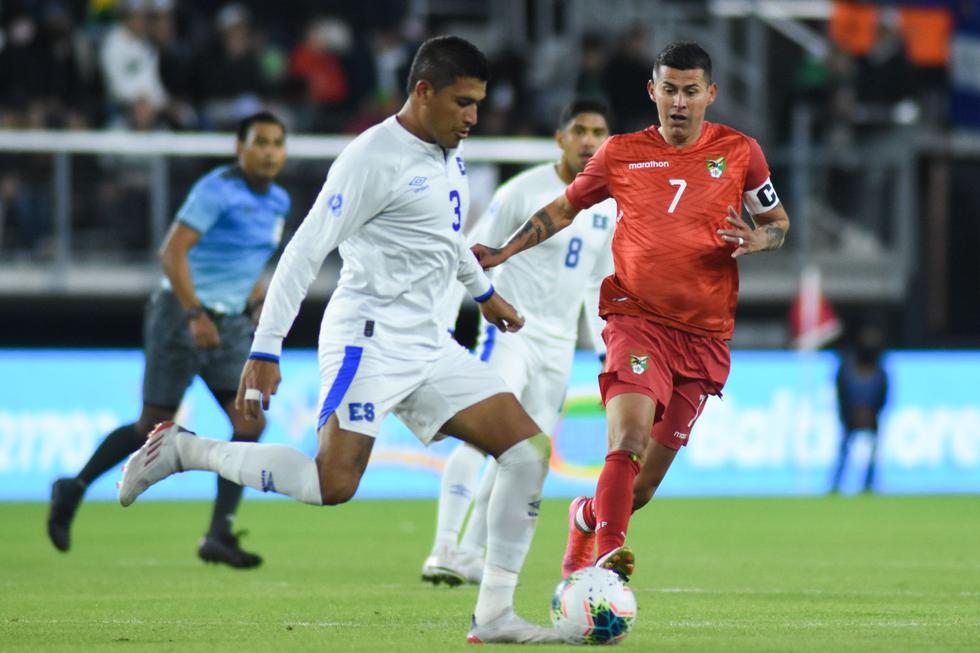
(592, 64)
(176, 64)
(130, 62)
(623, 75)
(317, 63)
(853, 26)
(229, 75)
(965, 73)
(862, 390)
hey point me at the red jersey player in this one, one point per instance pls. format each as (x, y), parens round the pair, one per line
(670, 304)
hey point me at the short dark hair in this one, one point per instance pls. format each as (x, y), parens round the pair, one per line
(582, 105)
(262, 116)
(443, 59)
(684, 55)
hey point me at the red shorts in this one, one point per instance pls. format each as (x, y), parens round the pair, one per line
(676, 369)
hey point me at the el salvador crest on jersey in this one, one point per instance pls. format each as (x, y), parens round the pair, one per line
(716, 167)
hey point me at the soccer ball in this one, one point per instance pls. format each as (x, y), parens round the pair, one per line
(593, 606)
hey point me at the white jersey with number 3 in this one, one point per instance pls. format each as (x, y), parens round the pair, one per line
(394, 205)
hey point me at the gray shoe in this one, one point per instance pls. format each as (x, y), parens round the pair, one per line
(508, 628)
(155, 461)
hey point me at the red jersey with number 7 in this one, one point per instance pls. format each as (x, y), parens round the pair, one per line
(671, 267)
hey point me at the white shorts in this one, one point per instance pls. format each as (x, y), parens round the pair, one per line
(362, 384)
(536, 373)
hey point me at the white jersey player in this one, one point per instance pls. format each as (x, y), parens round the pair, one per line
(536, 362)
(393, 203)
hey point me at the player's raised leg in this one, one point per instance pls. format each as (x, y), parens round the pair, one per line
(329, 479)
(499, 426)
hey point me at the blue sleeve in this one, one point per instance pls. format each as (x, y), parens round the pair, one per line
(203, 206)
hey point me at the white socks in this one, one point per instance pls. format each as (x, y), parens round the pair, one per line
(512, 515)
(266, 467)
(496, 593)
(459, 479)
(474, 542)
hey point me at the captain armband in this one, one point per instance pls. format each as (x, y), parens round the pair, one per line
(761, 199)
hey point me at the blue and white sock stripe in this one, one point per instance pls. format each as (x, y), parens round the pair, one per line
(341, 383)
(262, 356)
(488, 343)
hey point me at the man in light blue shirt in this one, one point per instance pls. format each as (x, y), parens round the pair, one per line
(201, 320)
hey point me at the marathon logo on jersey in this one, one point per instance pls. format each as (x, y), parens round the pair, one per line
(640, 165)
(639, 364)
(418, 184)
(715, 166)
(680, 436)
(335, 202)
(462, 166)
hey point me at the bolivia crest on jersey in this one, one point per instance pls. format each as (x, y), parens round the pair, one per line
(715, 166)
(639, 364)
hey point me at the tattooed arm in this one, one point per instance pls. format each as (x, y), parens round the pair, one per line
(542, 225)
(769, 232)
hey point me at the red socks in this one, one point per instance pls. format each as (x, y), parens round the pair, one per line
(613, 503)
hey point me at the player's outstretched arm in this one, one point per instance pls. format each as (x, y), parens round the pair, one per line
(542, 225)
(769, 232)
(501, 314)
(260, 380)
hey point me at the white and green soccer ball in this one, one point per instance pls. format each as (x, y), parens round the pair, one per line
(593, 606)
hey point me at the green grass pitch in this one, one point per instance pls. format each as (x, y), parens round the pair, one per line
(741, 574)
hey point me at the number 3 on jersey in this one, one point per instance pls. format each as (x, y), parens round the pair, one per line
(681, 185)
(454, 198)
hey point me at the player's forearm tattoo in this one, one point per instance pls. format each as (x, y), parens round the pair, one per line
(539, 227)
(774, 237)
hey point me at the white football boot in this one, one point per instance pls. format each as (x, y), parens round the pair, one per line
(508, 628)
(439, 567)
(155, 461)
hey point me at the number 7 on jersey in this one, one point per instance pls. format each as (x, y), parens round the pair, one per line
(681, 185)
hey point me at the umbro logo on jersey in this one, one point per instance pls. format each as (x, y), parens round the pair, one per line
(640, 165)
(418, 184)
(335, 202)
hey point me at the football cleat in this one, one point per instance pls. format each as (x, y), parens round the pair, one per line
(439, 567)
(580, 549)
(508, 628)
(155, 461)
(224, 548)
(66, 495)
(620, 560)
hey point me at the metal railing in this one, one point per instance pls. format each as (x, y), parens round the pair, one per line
(860, 233)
